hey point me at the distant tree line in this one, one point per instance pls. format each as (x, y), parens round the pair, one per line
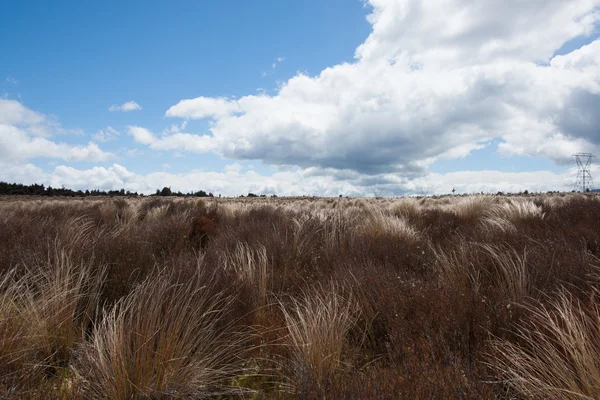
(166, 191)
(18, 189)
(257, 195)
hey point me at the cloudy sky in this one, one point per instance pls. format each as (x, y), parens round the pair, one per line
(310, 97)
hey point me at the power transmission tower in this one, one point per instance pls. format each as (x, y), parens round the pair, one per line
(584, 176)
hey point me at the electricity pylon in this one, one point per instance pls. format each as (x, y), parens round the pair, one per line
(585, 181)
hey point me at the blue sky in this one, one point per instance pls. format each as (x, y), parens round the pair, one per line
(74, 59)
(297, 97)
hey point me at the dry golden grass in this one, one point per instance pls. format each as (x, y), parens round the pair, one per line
(505, 216)
(251, 267)
(44, 314)
(163, 340)
(318, 325)
(416, 287)
(558, 352)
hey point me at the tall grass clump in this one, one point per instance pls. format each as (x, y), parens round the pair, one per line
(250, 264)
(380, 224)
(45, 310)
(471, 208)
(557, 355)
(469, 265)
(507, 215)
(167, 339)
(457, 267)
(406, 208)
(336, 231)
(509, 271)
(318, 325)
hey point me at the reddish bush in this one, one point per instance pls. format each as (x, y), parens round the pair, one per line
(201, 230)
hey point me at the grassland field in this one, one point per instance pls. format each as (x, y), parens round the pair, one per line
(463, 297)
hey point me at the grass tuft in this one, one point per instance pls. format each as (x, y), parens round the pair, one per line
(318, 325)
(165, 339)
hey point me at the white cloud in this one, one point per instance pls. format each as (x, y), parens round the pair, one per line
(492, 182)
(13, 112)
(26, 173)
(141, 135)
(183, 141)
(15, 144)
(24, 134)
(11, 80)
(171, 141)
(203, 107)
(434, 79)
(235, 167)
(132, 152)
(466, 32)
(125, 107)
(98, 177)
(106, 135)
(233, 182)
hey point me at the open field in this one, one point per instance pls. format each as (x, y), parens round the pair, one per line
(168, 298)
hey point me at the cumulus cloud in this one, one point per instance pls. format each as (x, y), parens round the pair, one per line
(106, 135)
(235, 167)
(465, 32)
(171, 141)
(24, 173)
(203, 107)
(24, 135)
(233, 182)
(141, 135)
(434, 79)
(125, 107)
(13, 112)
(15, 144)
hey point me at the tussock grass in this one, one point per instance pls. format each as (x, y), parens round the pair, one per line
(378, 223)
(157, 213)
(456, 268)
(418, 287)
(337, 229)
(510, 271)
(471, 208)
(44, 313)
(164, 339)
(318, 325)
(505, 216)
(506, 270)
(406, 208)
(558, 352)
(250, 264)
